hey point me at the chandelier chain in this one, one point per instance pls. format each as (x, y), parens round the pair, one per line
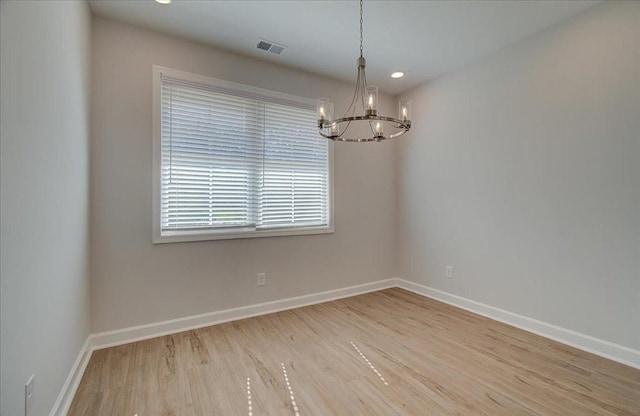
(361, 28)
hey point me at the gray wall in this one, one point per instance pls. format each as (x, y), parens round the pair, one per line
(523, 173)
(44, 67)
(135, 282)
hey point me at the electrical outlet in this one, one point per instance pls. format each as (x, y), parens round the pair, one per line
(28, 394)
(448, 271)
(262, 279)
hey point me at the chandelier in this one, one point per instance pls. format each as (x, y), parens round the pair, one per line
(365, 99)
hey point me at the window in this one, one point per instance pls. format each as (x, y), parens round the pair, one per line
(232, 161)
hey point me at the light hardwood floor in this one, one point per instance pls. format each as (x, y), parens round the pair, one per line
(385, 353)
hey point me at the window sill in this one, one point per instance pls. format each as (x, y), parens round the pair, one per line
(186, 236)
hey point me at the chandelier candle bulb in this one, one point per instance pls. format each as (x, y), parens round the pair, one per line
(405, 110)
(379, 131)
(372, 100)
(334, 130)
(325, 109)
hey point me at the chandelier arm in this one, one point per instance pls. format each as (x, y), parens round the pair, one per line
(345, 129)
(362, 86)
(358, 92)
(364, 76)
(352, 107)
(326, 136)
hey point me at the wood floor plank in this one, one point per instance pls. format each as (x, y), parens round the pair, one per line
(435, 359)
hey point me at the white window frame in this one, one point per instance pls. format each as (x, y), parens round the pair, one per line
(160, 236)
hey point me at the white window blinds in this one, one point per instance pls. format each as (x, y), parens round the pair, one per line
(237, 159)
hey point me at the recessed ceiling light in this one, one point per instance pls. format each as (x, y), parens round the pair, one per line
(398, 74)
(163, 1)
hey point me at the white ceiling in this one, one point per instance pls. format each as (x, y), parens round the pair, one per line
(423, 38)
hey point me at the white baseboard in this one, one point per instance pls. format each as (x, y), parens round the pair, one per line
(63, 402)
(101, 340)
(606, 349)
(141, 332)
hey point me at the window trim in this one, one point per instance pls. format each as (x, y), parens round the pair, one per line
(159, 236)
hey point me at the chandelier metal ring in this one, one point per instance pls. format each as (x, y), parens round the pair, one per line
(403, 125)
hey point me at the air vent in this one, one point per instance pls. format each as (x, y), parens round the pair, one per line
(269, 46)
(276, 49)
(264, 45)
